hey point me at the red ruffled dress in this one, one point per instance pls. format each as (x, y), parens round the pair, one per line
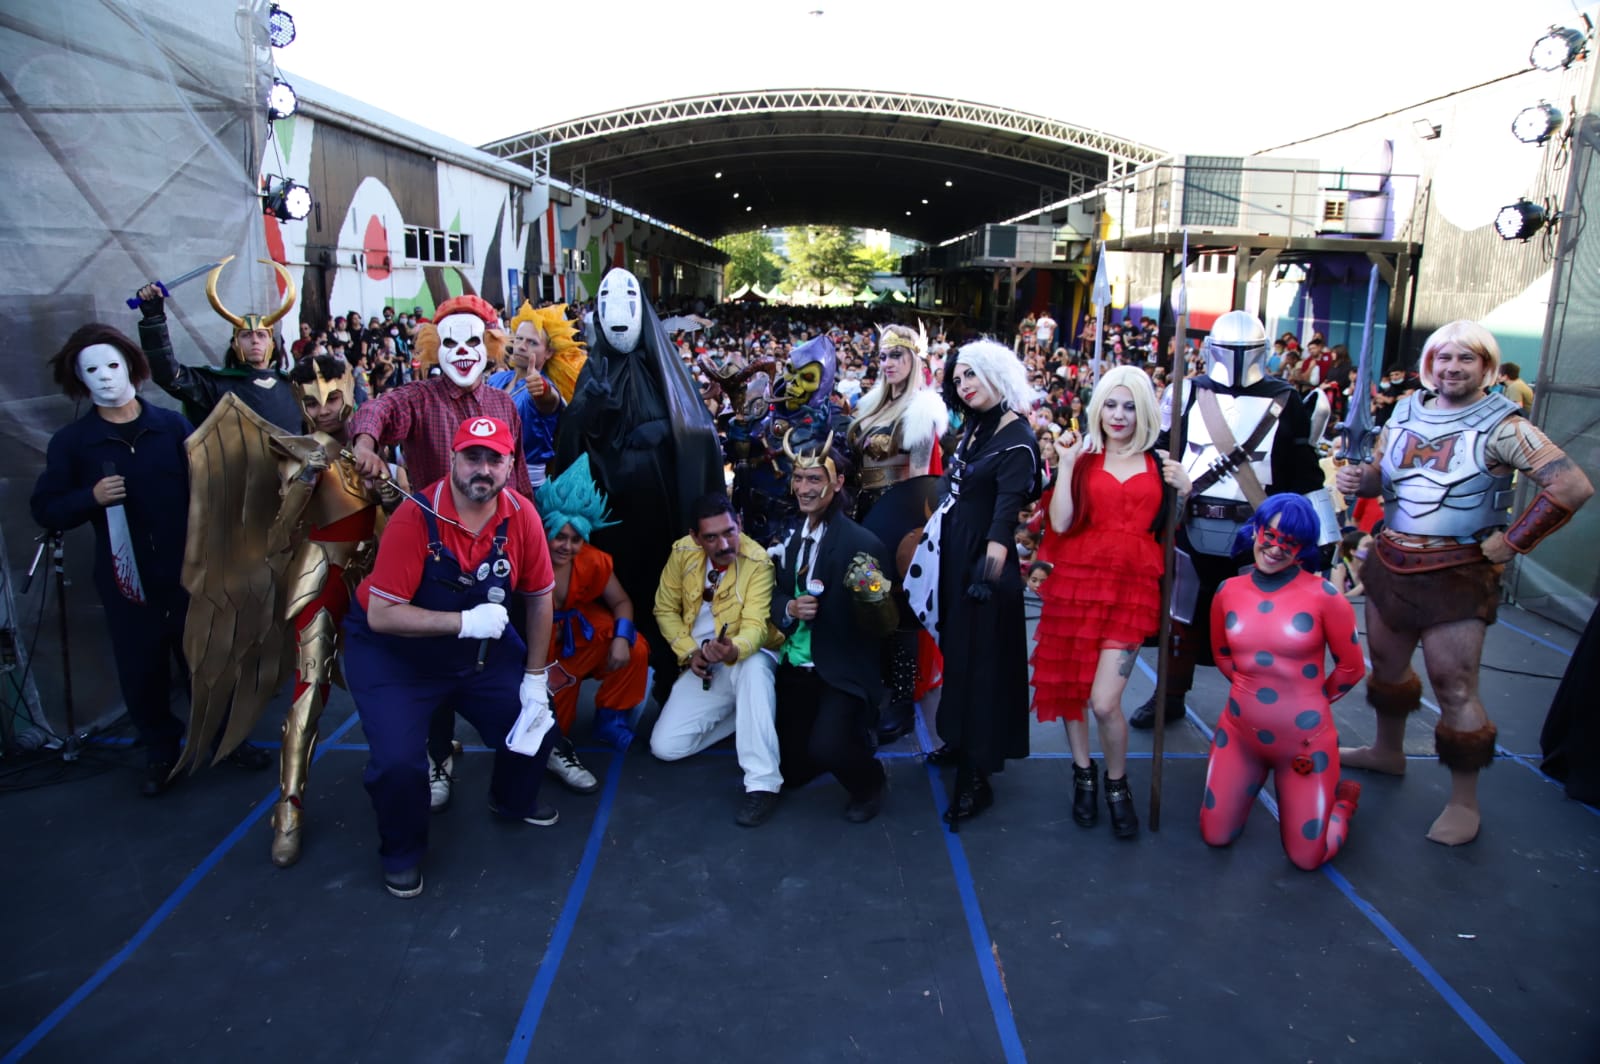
(1105, 590)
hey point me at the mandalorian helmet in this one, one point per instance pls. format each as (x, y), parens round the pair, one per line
(1236, 350)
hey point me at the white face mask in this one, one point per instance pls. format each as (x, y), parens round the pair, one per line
(104, 371)
(462, 355)
(620, 309)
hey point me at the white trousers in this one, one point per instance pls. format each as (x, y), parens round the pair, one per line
(740, 703)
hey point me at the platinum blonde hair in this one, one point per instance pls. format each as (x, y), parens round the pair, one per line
(1465, 334)
(1146, 418)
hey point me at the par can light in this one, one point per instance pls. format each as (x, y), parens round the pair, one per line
(1519, 220)
(281, 100)
(288, 201)
(1557, 49)
(280, 27)
(1537, 124)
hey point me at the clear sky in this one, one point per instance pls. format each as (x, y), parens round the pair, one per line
(1213, 76)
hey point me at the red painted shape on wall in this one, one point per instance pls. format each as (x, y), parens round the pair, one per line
(275, 249)
(375, 246)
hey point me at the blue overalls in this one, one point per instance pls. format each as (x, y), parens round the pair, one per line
(398, 681)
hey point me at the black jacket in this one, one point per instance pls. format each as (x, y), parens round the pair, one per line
(201, 388)
(845, 656)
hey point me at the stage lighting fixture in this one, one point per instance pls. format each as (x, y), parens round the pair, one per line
(1519, 220)
(280, 27)
(1536, 124)
(281, 100)
(287, 200)
(1557, 49)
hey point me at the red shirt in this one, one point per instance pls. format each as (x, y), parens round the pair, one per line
(423, 416)
(404, 546)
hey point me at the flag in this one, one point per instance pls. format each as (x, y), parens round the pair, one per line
(1101, 297)
(1182, 307)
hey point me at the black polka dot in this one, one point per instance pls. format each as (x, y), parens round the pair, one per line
(1267, 696)
(1225, 650)
(1303, 622)
(1233, 707)
(1344, 688)
(1265, 606)
(1307, 720)
(1252, 789)
(915, 572)
(1311, 828)
(1211, 799)
(1265, 737)
(1220, 739)
(1264, 657)
(1319, 761)
(1231, 621)
(1329, 589)
(923, 540)
(1310, 672)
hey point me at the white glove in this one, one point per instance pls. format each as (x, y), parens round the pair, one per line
(484, 621)
(527, 733)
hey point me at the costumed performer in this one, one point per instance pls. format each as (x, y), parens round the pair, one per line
(594, 634)
(546, 358)
(1272, 629)
(1444, 465)
(965, 583)
(1112, 494)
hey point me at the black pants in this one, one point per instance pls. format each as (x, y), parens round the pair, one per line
(822, 729)
(146, 640)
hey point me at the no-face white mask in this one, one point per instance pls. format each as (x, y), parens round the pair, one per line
(620, 309)
(462, 355)
(104, 371)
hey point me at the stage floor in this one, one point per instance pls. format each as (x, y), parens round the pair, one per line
(647, 926)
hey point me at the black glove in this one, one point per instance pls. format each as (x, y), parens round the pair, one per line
(980, 591)
(980, 587)
(153, 307)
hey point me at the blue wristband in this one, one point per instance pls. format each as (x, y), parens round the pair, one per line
(624, 629)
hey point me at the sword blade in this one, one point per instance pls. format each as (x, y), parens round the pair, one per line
(1356, 432)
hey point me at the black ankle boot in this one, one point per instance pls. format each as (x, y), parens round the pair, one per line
(1119, 802)
(970, 796)
(1085, 796)
(1144, 717)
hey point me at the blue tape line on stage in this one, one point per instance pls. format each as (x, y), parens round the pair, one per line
(539, 993)
(156, 919)
(1541, 640)
(1457, 1003)
(982, 944)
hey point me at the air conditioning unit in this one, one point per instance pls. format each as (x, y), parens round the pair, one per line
(1259, 195)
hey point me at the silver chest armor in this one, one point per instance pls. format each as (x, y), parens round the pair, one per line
(1435, 480)
(1243, 413)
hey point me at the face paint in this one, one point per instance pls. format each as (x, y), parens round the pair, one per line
(104, 371)
(462, 356)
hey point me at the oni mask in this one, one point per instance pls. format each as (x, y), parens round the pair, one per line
(463, 355)
(104, 371)
(620, 309)
(808, 379)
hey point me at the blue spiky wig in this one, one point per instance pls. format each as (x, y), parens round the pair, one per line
(572, 499)
(1295, 518)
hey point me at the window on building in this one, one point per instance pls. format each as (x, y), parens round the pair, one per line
(437, 247)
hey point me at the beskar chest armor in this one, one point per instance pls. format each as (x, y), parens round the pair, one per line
(1215, 535)
(1435, 476)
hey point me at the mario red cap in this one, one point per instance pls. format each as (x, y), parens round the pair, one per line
(488, 432)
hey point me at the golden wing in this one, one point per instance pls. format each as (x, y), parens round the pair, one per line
(239, 649)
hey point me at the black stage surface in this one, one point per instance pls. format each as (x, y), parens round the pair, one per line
(647, 926)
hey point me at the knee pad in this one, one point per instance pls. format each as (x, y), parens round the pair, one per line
(1398, 699)
(1465, 751)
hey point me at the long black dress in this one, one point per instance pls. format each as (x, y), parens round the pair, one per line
(984, 710)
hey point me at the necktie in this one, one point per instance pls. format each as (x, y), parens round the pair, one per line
(804, 570)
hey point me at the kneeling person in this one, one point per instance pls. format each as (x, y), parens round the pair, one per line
(712, 607)
(832, 602)
(428, 630)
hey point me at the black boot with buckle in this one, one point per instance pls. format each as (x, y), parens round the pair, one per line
(1119, 802)
(1085, 796)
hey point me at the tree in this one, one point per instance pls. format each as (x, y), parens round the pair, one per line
(879, 260)
(751, 261)
(824, 257)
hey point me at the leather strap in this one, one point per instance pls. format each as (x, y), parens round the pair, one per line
(1398, 559)
(1234, 458)
(1543, 516)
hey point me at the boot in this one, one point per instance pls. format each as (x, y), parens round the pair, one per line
(1119, 802)
(286, 832)
(611, 727)
(1145, 716)
(971, 796)
(1085, 796)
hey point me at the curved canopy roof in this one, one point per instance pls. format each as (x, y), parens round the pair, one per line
(922, 166)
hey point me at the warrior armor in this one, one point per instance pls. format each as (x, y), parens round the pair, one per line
(1435, 476)
(1217, 512)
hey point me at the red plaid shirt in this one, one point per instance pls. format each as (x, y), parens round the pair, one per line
(422, 417)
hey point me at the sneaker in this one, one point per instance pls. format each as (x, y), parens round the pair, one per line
(756, 809)
(543, 815)
(406, 883)
(565, 767)
(439, 781)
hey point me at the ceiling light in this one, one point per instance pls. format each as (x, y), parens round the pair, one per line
(288, 200)
(735, 195)
(908, 214)
(281, 100)
(924, 203)
(717, 175)
(1536, 124)
(949, 184)
(1557, 49)
(1519, 220)
(748, 208)
(280, 27)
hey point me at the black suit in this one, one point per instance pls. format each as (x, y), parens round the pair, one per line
(826, 712)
